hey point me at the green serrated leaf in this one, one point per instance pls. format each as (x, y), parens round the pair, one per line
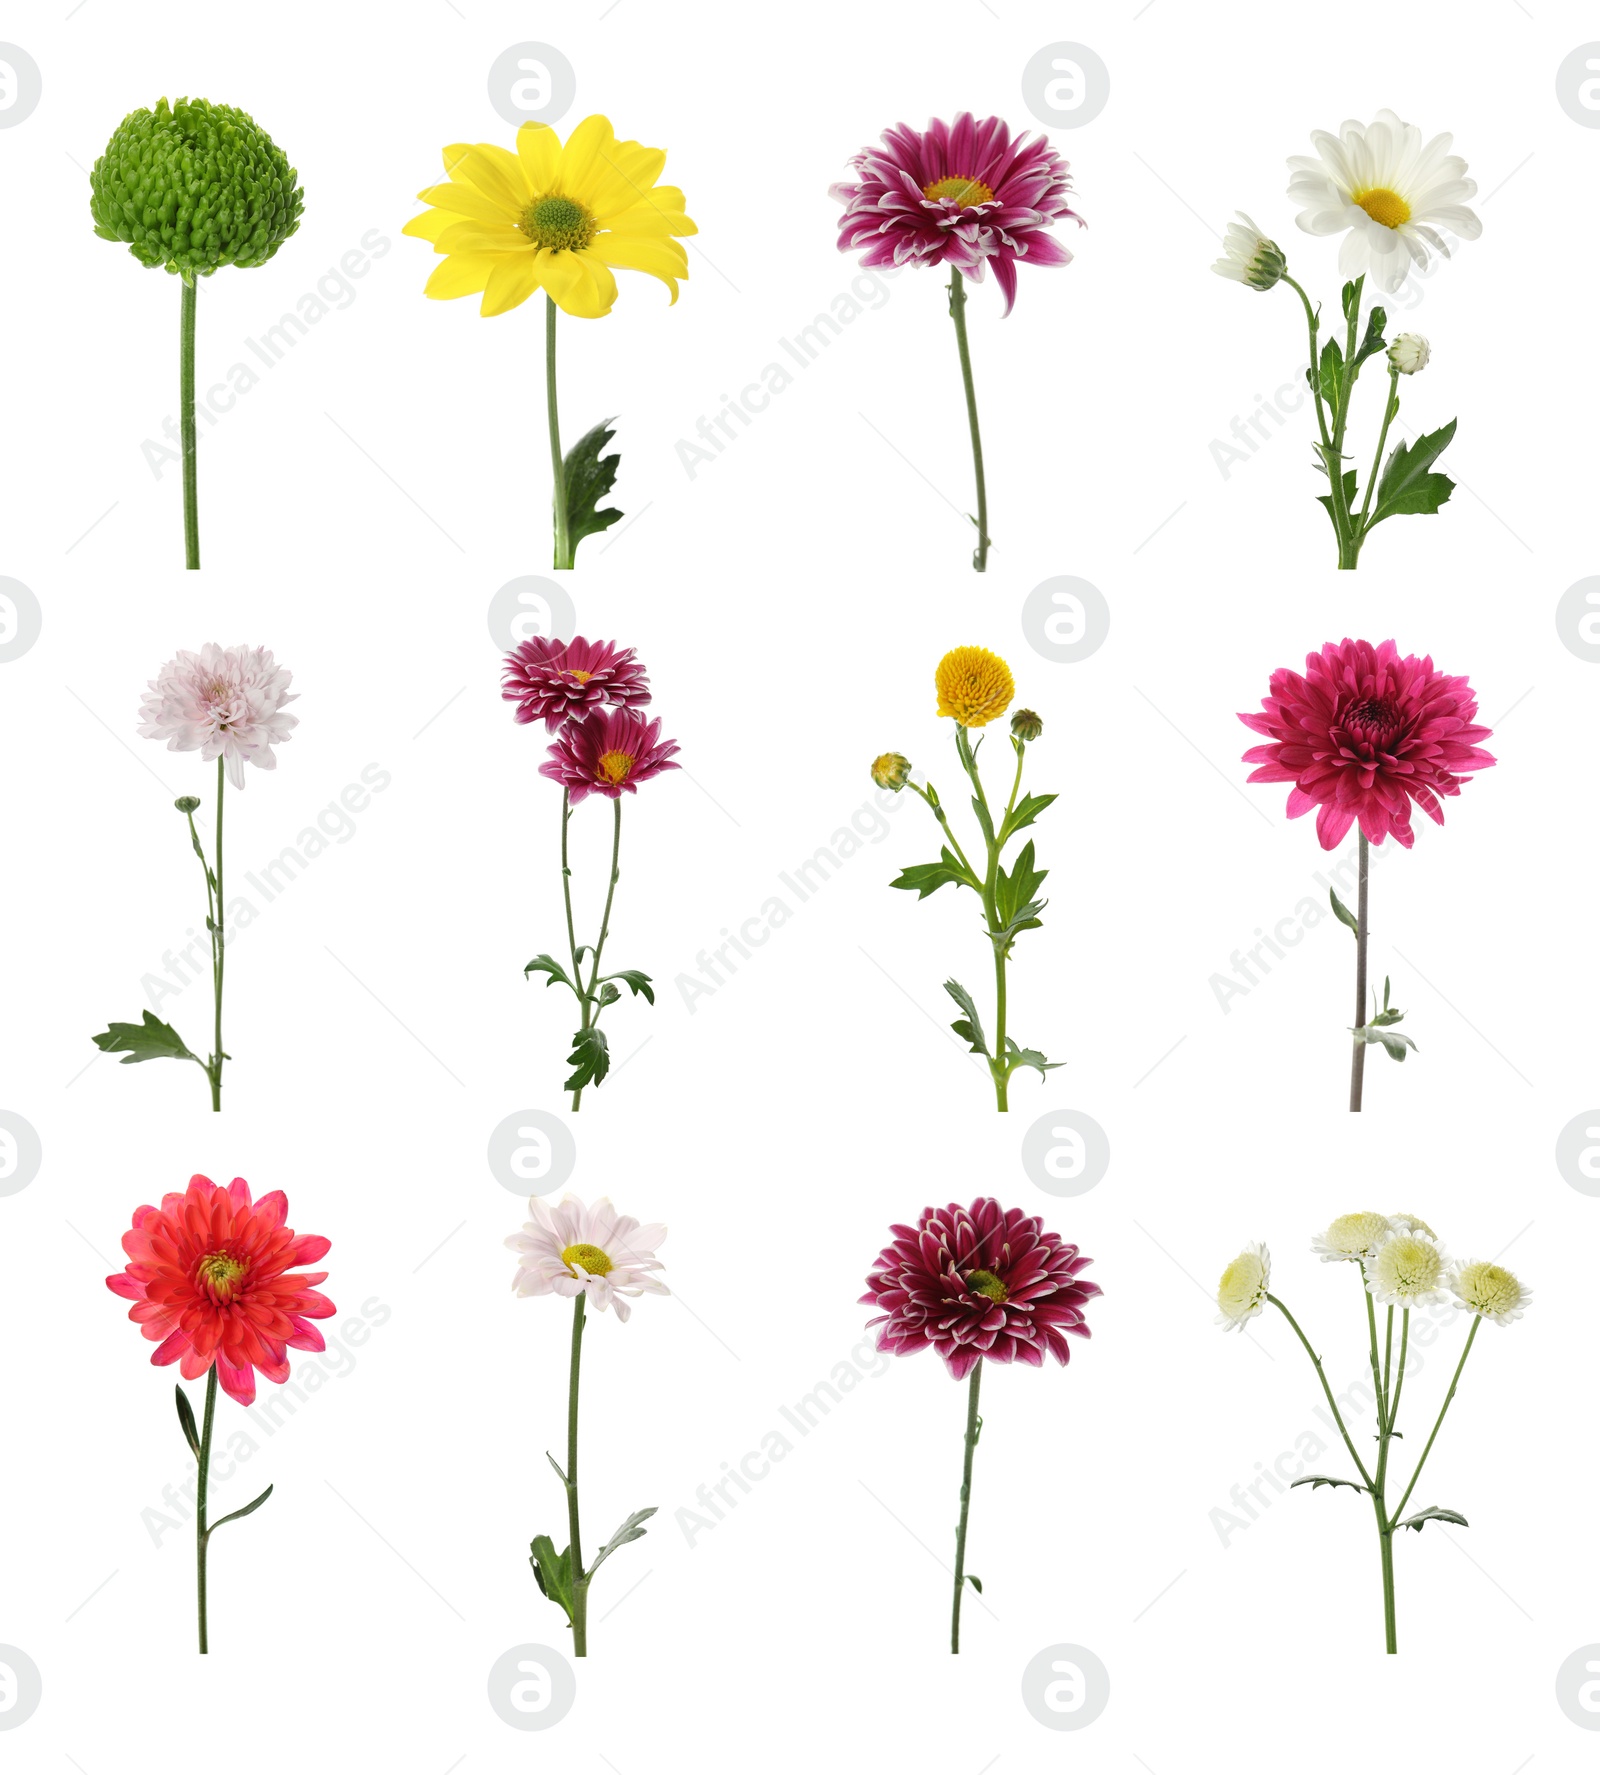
(630, 1531)
(637, 983)
(1325, 500)
(590, 1058)
(609, 994)
(1024, 813)
(1015, 894)
(1343, 913)
(969, 1027)
(547, 964)
(234, 1515)
(191, 1432)
(150, 1040)
(552, 1571)
(1316, 1479)
(1406, 487)
(1435, 1513)
(1016, 1057)
(589, 478)
(928, 878)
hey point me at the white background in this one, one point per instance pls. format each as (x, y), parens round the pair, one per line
(360, 507)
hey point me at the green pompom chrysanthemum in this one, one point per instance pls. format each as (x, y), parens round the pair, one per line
(194, 186)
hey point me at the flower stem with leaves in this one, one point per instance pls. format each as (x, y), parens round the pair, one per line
(1379, 1026)
(199, 1441)
(970, 1445)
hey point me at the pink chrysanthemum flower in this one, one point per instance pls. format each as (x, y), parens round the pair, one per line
(616, 751)
(557, 681)
(983, 1283)
(225, 701)
(572, 1249)
(965, 193)
(211, 1282)
(1364, 734)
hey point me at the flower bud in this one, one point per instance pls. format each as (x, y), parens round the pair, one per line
(1249, 257)
(1409, 353)
(1026, 725)
(891, 771)
(186, 804)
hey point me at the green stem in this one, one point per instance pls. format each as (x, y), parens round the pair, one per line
(973, 1424)
(1385, 1430)
(191, 479)
(1428, 1448)
(958, 313)
(1350, 538)
(563, 552)
(936, 808)
(999, 1071)
(1400, 1373)
(1316, 1363)
(1390, 409)
(1358, 1048)
(200, 1534)
(580, 1584)
(591, 1003)
(1388, 1351)
(217, 958)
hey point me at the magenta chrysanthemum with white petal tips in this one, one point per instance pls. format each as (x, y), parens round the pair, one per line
(557, 681)
(979, 1284)
(614, 752)
(1363, 735)
(967, 193)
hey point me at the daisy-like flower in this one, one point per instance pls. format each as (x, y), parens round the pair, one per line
(1410, 1223)
(1387, 192)
(1351, 1237)
(212, 1281)
(963, 193)
(557, 681)
(594, 1251)
(222, 702)
(611, 753)
(1363, 735)
(1248, 257)
(554, 218)
(1489, 1291)
(974, 685)
(1242, 1292)
(979, 1284)
(1408, 1269)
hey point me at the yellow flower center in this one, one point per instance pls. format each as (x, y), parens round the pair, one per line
(964, 193)
(614, 766)
(974, 685)
(582, 677)
(1384, 205)
(219, 1272)
(558, 224)
(586, 1257)
(988, 1284)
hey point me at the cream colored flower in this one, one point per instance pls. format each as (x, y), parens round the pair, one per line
(1351, 1237)
(1489, 1291)
(1242, 1292)
(1408, 1269)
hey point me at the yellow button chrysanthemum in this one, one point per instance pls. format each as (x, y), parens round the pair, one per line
(553, 218)
(974, 685)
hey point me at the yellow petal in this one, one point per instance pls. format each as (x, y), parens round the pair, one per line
(660, 258)
(498, 174)
(627, 180)
(580, 286)
(581, 160)
(539, 150)
(462, 274)
(430, 224)
(510, 284)
(660, 213)
(466, 200)
(467, 236)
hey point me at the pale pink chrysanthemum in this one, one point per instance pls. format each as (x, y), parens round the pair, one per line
(965, 193)
(1364, 734)
(571, 1249)
(222, 702)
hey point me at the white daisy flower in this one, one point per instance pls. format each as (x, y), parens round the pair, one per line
(1242, 1292)
(571, 1249)
(1387, 192)
(1489, 1291)
(1248, 257)
(1408, 1269)
(1351, 1237)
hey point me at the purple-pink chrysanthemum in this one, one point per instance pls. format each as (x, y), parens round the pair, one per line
(221, 701)
(556, 681)
(1363, 735)
(612, 751)
(983, 1283)
(965, 193)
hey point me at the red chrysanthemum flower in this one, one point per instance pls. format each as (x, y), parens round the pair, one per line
(210, 1283)
(983, 1283)
(558, 681)
(1364, 734)
(962, 192)
(616, 751)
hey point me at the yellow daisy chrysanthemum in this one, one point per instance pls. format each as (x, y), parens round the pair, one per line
(974, 685)
(553, 218)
